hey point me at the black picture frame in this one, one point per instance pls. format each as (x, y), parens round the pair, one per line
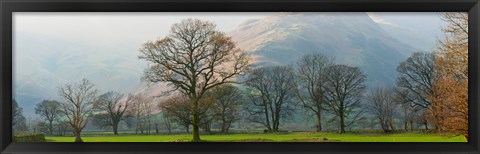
(9, 6)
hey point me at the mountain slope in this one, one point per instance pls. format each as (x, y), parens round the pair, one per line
(351, 38)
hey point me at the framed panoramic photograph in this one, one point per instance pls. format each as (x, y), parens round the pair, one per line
(262, 76)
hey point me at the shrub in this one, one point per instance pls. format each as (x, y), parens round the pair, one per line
(28, 137)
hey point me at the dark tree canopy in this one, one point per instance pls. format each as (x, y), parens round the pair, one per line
(416, 78)
(18, 120)
(49, 110)
(311, 76)
(344, 88)
(114, 108)
(228, 100)
(273, 95)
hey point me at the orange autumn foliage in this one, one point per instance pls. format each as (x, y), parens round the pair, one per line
(448, 110)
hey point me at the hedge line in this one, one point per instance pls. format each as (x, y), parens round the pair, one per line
(28, 137)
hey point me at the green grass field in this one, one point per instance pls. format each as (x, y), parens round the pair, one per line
(260, 137)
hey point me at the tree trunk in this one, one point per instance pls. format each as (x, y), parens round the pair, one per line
(267, 121)
(77, 135)
(411, 125)
(136, 127)
(51, 128)
(223, 123)
(342, 123)
(115, 128)
(226, 130)
(319, 122)
(276, 123)
(196, 131)
(187, 128)
(426, 126)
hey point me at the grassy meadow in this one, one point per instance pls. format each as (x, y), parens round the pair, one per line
(270, 137)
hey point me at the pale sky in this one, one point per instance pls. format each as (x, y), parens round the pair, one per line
(124, 27)
(137, 27)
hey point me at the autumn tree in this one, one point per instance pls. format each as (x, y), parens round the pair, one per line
(344, 89)
(111, 104)
(381, 102)
(449, 109)
(80, 101)
(273, 95)
(311, 74)
(49, 110)
(452, 53)
(194, 58)
(179, 109)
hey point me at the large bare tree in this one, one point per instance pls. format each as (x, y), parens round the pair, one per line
(194, 58)
(111, 103)
(344, 88)
(382, 104)
(49, 110)
(416, 77)
(273, 95)
(80, 102)
(311, 71)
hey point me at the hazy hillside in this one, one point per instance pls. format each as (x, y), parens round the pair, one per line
(55, 61)
(351, 38)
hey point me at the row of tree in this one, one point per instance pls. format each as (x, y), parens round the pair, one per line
(195, 58)
(202, 65)
(82, 104)
(433, 86)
